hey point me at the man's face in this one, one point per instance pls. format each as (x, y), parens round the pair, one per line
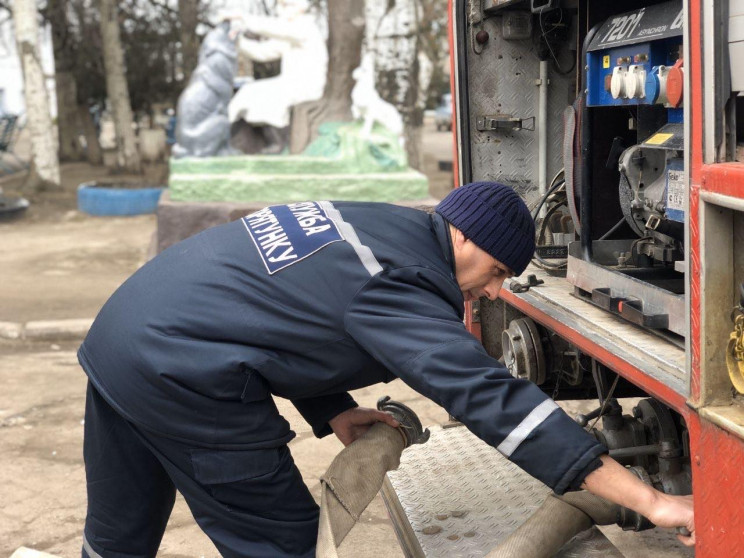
(477, 272)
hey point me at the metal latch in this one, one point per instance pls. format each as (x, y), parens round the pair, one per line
(504, 122)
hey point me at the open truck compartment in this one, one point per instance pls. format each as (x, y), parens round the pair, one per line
(620, 125)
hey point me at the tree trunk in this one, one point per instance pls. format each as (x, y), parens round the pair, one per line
(188, 15)
(44, 161)
(68, 125)
(127, 156)
(413, 132)
(345, 35)
(414, 129)
(397, 70)
(92, 145)
(68, 129)
(413, 117)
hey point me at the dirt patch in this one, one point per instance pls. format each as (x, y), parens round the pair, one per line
(59, 263)
(67, 268)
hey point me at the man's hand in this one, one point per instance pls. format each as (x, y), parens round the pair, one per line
(615, 483)
(674, 511)
(352, 423)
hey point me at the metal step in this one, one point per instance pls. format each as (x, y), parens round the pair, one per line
(457, 497)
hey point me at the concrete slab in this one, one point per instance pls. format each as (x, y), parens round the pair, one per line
(24, 552)
(249, 165)
(57, 329)
(342, 163)
(11, 330)
(179, 220)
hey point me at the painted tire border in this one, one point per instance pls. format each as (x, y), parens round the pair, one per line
(96, 200)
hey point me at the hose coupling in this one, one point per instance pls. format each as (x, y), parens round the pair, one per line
(410, 425)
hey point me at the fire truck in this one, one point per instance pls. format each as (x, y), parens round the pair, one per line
(620, 123)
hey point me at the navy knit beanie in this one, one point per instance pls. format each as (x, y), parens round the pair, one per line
(495, 218)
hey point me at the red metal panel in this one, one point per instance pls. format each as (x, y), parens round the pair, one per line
(718, 487)
(694, 66)
(473, 327)
(724, 178)
(615, 362)
(694, 261)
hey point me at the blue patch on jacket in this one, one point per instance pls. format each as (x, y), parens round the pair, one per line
(286, 234)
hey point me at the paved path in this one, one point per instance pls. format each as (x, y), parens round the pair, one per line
(41, 468)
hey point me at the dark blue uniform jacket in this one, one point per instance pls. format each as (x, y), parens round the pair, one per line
(306, 302)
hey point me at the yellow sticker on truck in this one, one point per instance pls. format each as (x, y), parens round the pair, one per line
(658, 139)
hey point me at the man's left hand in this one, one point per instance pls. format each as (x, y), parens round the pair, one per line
(352, 423)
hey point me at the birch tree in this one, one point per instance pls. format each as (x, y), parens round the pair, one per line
(127, 155)
(400, 77)
(44, 160)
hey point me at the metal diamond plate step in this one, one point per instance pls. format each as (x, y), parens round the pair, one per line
(457, 497)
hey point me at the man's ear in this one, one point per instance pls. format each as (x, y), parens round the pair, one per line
(458, 238)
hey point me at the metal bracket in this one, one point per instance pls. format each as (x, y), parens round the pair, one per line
(504, 123)
(475, 315)
(532, 281)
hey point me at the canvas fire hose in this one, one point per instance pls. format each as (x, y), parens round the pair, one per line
(554, 523)
(355, 476)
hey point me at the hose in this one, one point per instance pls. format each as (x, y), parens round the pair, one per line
(554, 187)
(557, 521)
(356, 474)
(612, 230)
(352, 481)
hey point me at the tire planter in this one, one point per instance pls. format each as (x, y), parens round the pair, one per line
(108, 200)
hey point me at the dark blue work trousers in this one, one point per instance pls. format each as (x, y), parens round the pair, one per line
(249, 502)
